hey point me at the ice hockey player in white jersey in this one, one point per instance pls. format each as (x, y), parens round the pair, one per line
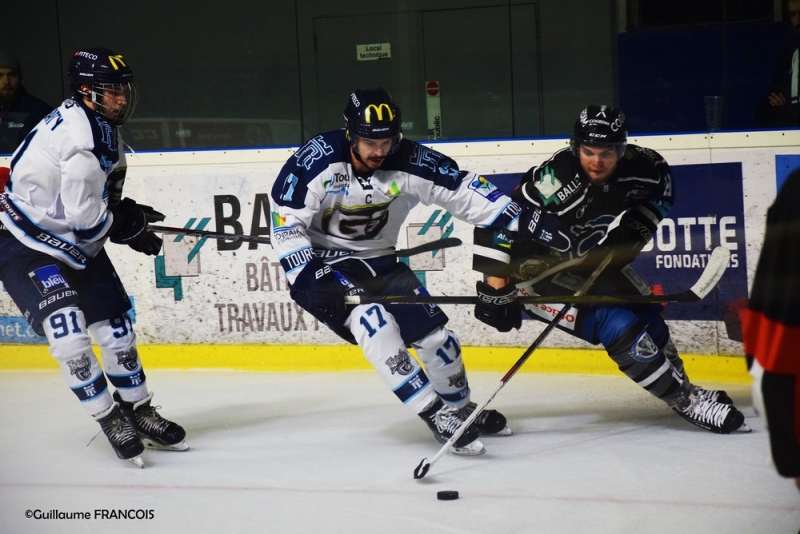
(62, 202)
(338, 205)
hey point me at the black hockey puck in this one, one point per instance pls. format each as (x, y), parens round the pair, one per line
(447, 495)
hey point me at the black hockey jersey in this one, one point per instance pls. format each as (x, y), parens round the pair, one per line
(640, 186)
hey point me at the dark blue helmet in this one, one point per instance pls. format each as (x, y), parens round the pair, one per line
(372, 114)
(600, 126)
(106, 79)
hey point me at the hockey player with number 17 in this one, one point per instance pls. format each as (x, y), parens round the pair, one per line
(62, 202)
(338, 206)
(587, 186)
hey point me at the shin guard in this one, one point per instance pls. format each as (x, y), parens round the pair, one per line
(378, 335)
(120, 358)
(440, 352)
(71, 346)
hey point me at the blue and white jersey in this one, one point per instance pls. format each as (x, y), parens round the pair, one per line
(319, 203)
(56, 200)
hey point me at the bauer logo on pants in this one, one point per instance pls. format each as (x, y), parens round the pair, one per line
(48, 279)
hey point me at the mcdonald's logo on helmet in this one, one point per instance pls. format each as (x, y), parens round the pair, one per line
(372, 114)
(377, 112)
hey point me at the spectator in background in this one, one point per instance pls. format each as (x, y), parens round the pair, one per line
(780, 107)
(19, 110)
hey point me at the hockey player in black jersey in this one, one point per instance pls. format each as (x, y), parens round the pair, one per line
(587, 186)
(62, 204)
(338, 206)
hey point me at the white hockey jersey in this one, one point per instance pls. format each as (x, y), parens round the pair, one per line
(320, 205)
(56, 200)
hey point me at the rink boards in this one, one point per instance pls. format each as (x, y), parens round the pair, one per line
(209, 303)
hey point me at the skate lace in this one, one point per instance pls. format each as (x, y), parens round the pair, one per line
(711, 412)
(151, 421)
(447, 421)
(706, 394)
(118, 430)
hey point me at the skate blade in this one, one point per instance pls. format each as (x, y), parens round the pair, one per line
(137, 461)
(154, 445)
(475, 448)
(744, 429)
(505, 432)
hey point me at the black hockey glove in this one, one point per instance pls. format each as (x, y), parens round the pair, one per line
(318, 291)
(498, 307)
(543, 228)
(626, 241)
(130, 227)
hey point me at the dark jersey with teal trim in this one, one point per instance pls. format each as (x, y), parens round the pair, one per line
(640, 187)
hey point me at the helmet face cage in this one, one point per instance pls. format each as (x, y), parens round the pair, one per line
(109, 80)
(372, 114)
(600, 126)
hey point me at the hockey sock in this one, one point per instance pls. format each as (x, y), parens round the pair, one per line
(440, 352)
(71, 346)
(378, 335)
(117, 342)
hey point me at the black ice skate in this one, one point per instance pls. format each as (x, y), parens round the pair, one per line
(121, 434)
(488, 422)
(154, 431)
(711, 415)
(443, 421)
(717, 395)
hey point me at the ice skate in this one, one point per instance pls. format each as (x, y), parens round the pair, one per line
(488, 422)
(121, 434)
(154, 431)
(717, 395)
(711, 415)
(444, 421)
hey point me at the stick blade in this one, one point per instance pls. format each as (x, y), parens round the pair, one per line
(715, 268)
(422, 469)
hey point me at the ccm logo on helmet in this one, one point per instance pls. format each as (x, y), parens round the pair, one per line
(378, 111)
(87, 55)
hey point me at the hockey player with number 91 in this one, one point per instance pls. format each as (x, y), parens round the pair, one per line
(338, 206)
(62, 202)
(587, 186)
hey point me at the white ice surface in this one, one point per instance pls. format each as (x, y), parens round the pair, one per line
(335, 453)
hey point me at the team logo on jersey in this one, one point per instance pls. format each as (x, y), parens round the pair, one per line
(645, 349)
(312, 151)
(393, 191)
(282, 237)
(48, 279)
(278, 221)
(548, 185)
(401, 363)
(338, 183)
(364, 181)
(81, 368)
(129, 359)
(485, 188)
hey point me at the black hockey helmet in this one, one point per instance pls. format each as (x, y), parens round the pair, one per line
(372, 114)
(106, 74)
(600, 126)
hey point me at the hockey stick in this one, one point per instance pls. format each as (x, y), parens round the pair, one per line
(424, 466)
(425, 247)
(715, 268)
(210, 235)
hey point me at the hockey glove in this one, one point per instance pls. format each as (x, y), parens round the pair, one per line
(318, 291)
(626, 241)
(543, 228)
(498, 307)
(130, 227)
